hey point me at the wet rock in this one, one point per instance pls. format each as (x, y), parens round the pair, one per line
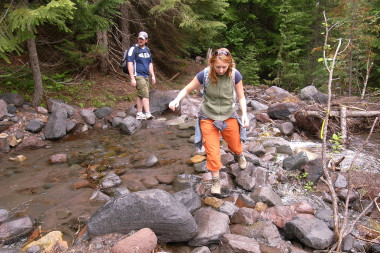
(245, 216)
(311, 232)
(267, 195)
(100, 196)
(294, 162)
(154, 209)
(265, 232)
(286, 128)
(212, 225)
(130, 125)
(56, 104)
(314, 170)
(110, 180)
(282, 110)
(14, 99)
(14, 229)
(238, 243)
(185, 181)
(103, 112)
(11, 109)
(70, 125)
(63, 214)
(19, 158)
(56, 126)
(150, 161)
(196, 159)
(166, 179)
(80, 184)
(4, 125)
(4, 215)
(150, 182)
(52, 242)
(311, 94)
(88, 116)
(281, 145)
(58, 158)
(189, 198)
(143, 240)
(228, 208)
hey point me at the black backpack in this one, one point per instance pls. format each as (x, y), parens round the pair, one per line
(123, 63)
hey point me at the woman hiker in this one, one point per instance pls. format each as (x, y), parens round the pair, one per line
(221, 81)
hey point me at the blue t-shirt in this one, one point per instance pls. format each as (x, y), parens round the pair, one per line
(140, 61)
(238, 76)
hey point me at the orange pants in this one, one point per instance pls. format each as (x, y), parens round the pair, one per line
(211, 141)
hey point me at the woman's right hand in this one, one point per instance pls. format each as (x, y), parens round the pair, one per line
(173, 104)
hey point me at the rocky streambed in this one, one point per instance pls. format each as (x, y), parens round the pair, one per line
(97, 180)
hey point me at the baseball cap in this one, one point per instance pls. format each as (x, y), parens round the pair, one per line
(143, 35)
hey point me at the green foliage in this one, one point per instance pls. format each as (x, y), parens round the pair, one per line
(248, 66)
(301, 176)
(336, 143)
(309, 186)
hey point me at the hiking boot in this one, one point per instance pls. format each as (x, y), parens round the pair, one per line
(215, 188)
(140, 116)
(241, 161)
(148, 115)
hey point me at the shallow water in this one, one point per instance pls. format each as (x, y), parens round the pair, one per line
(44, 191)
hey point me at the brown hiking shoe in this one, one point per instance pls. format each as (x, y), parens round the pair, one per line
(215, 188)
(241, 161)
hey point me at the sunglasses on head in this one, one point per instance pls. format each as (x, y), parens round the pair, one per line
(219, 52)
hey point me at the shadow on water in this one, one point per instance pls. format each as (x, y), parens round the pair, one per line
(44, 191)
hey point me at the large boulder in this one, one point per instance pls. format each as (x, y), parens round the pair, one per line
(155, 209)
(311, 94)
(56, 126)
(55, 104)
(159, 100)
(282, 110)
(14, 99)
(130, 125)
(14, 229)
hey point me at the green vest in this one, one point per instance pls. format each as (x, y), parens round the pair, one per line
(219, 100)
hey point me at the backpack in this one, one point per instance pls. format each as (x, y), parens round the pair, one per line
(123, 63)
(206, 81)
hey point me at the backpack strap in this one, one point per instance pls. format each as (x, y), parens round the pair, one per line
(205, 79)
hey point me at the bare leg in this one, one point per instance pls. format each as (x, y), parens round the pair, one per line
(139, 103)
(145, 104)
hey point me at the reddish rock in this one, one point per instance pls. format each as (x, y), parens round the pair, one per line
(58, 158)
(303, 207)
(165, 179)
(143, 241)
(80, 184)
(245, 216)
(279, 215)
(263, 117)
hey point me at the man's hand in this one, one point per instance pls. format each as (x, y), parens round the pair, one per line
(153, 79)
(133, 82)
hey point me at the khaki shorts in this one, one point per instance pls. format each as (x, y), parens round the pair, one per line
(142, 86)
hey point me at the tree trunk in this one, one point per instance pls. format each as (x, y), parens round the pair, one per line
(104, 57)
(124, 25)
(35, 67)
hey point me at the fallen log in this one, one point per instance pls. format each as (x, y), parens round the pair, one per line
(348, 114)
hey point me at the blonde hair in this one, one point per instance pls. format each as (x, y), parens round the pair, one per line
(224, 55)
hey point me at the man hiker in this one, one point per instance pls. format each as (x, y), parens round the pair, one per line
(139, 67)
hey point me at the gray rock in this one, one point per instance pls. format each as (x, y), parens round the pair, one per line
(212, 225)
(56, 126)
(185, 181)
(227, 159)
(295, 162)
(159, 100)
(35, 126)
(121, 191)
(14, 99)
(130, 125)
(121, 115)
(4, 215)
(11, 109)
(314, 170)
(256, 149)
(312, 232)
(34, 249)
(15, 119)
(56, 104)
(251, 177)
(189, 198)
(310, 93)
(103, 112)
(111, 180)
(347, 243)
(237, 243)
(267, 195)
(286, 128)
(100, 196)
(257, 106)
(203, 249)
(190, 107)
(15, 229)
(281, 145)
(245, 216)
(341, 181)
(265, 232)
(88, 116)
(282, 110)
(200, 167)
(70, 125)
(154, 209)
(4, 145)
(276, 93)
(3, 109)
(228, 208)
(251, 158)
(150, 161)
(116, 121)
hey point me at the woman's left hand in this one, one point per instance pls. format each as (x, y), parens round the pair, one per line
(245, 120)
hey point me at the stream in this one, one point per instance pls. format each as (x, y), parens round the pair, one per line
(44, 191)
